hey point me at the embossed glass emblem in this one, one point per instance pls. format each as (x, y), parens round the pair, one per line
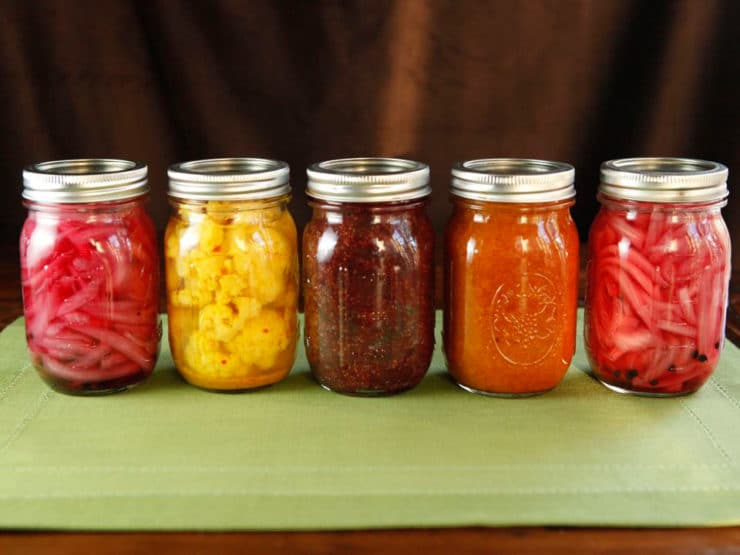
(525, 317)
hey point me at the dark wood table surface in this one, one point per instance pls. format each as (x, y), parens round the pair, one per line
(521, 540)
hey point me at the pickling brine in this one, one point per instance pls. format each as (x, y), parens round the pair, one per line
(90, 275)
(657, 277)
(232, 273)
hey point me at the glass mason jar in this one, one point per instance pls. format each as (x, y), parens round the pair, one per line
(90, 275)
(368, 275)
(231, 263)
(658, 275)
(511, 271)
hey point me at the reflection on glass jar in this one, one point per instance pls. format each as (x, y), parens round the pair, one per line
(368, 256)
(658, 274)
(89, 269)
(511, 276)
(232, 273)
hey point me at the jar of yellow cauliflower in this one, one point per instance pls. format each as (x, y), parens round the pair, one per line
(231, 262)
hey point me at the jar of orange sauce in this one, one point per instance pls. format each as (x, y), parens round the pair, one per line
(511, 273)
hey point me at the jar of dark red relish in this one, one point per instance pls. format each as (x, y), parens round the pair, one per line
(368, 275)
(90, 275)
(658, 274)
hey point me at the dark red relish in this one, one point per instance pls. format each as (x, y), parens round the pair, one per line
(368, 275)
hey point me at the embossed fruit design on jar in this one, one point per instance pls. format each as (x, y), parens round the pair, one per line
(658, 275)
(511, 268)
(525, 336)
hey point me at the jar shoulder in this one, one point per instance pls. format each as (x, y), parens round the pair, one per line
(324, 238)
(511, 234)
(668, 230)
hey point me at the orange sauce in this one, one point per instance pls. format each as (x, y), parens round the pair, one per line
(511, 294)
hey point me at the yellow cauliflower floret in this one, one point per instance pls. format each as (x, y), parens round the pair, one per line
(221, 212)
(265, 283)
(203, 276)
(258, 239)
(183, 266)
(262, 339)
(211, 237)
(263, 255)
(237, 238)
(191, 296)
(255, 212)
(246, 308)
(181, 323)
(230, 286)
(218, 320)
(172, 240)
(204, 355)
(210, 266)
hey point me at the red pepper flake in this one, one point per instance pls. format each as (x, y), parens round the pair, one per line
(223, 361)
(217, 248)
(265, 330)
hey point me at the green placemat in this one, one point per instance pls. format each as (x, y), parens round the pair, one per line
(168, 456)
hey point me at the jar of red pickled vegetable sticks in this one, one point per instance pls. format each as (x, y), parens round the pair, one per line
(658, 274)
(90, 275)
(368, 275)
(511, 265)
(231, 260)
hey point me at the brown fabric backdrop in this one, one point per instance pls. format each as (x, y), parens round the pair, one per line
(162, 81)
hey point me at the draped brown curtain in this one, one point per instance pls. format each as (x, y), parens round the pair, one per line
(439, 80)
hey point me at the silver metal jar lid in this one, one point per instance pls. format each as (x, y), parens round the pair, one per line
(84, 180)
(229, 179)
(368, 180)
(664, 180)
(516, 180)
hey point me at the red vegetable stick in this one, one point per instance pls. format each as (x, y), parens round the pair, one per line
(61, 354)
(119, 343)
(660, 363)
(704, 317)
(637, 275)
(631, 256)
(79, 299)
(624, 229)
(123, 312)
(92, 375)
(71, 347)
(92, 357)
(677, 328)
(714, 317)
(113, 359)
(83, 237)
(657, 221)
(38, 318)
(686, 306)
(637, 302)
(633, 340)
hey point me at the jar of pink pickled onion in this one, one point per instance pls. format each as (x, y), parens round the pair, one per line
(658, 275)
(89, 272)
